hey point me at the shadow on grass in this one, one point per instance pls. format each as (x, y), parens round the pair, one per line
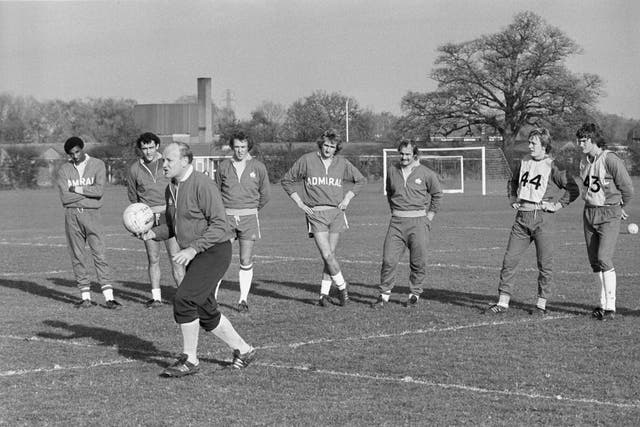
(127, 345)
(40, 290)
(120, 292)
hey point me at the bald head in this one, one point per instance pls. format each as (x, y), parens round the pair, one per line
(177, 158)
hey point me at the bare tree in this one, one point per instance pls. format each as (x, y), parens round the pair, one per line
(505, 81)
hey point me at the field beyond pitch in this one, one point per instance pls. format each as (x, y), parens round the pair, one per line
(442, 363)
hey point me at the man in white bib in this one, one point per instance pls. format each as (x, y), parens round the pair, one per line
(537, 190)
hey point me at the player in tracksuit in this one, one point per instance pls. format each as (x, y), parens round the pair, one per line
(324, 201)
(244, 186)
(414, 194)
(81, 183)
(196, 217)
(538, 189)
(146, 184)
(606, 189)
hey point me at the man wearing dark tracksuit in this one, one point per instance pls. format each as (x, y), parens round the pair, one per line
(414, 194)
(81, 183)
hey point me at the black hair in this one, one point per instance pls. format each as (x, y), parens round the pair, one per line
(146, 138)
(74, 141)
(240, 136)
(332, 136)
(593, 132)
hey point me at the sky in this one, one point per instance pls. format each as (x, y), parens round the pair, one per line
(282, 50)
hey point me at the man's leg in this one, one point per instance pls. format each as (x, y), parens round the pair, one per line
(592, 241)
(543, 238)
(609, 231)
(177, 269)
(519, 241)
(331, 266)
(93, 225)
(77, 245)
(417, 242)
(153, 258)
(245, 274)
(393, 248)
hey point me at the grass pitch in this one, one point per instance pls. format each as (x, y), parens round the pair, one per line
(441, 363)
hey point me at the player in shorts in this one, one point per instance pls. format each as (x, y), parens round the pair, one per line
(537, 190)
(197, 219)
(146, 184)
(244, 186)
(324, 201)
(606, 189)
(414, 194)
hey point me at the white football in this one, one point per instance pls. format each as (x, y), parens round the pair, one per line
(632, 228)
(138, 218)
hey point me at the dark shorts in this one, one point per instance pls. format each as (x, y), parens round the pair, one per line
(244, 227)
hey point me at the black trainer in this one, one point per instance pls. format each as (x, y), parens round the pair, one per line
(182, 367)
(113, 305)
(85, 303)
(597, 313)
(496, 309)
(538, 312)
(241, 361)
(412, 301)
(243, 307)
(324, 301)
(153, 303)
(608, 315)
(344, 297)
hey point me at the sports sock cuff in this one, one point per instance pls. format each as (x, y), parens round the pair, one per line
(246, 267)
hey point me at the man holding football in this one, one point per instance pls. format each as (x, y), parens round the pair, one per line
(414, 194)
(196, 217)
(606, 189)
(537, 190)
(244, 186)
(81, 183)
(324, 201)
(146, 184)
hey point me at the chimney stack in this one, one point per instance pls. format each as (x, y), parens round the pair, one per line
(204, 110)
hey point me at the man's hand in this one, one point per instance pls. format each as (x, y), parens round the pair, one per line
(551, 207)
(624, 216)
(430, 215)
(305, 208)
(185, 256)
(147, 235)
(343, 204)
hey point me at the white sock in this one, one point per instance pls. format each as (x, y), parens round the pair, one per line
(503, 300)
(325, 287)
(215, 295)
(108, 294)
(245, 276)
(190, 333)
(86, 295)
(156, 294)
(229, 336)
(339, 281)
(542, 303)
(603, 295)
(609, 280)
(385, 296)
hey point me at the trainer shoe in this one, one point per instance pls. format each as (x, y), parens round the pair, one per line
(182, 367)
(608, 315)
(597, 313)
(241, 361)
(243, 306)
(380, 303)
(496, 309)
(153, 303)
(113, 305)
(412, 301)
(344, 297)
(324, 301)
(85, 303)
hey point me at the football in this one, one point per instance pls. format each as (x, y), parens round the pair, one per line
(632, 228)
(138, 218)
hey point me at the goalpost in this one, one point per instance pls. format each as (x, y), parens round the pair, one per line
(454, 166)
(208, 164)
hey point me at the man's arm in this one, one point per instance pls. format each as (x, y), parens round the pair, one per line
(66, 196)
(96, 190)
(132, 191)
(265, 187)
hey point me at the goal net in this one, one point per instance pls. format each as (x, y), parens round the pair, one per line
(474, 170)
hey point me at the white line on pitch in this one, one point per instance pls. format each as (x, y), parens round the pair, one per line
(65, 368)
(463, 387)
(414, 332)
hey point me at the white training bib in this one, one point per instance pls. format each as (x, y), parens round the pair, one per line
(593, 178)
(534, 177)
